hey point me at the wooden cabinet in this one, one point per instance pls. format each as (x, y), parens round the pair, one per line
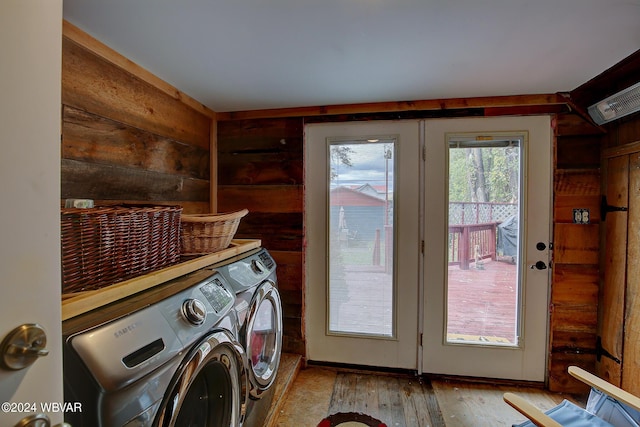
(619, 307)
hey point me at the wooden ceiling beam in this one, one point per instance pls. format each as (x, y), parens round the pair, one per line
(541, 102)
(620, 76)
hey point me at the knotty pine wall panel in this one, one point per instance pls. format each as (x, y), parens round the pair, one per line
(260, 164)
(125, 140)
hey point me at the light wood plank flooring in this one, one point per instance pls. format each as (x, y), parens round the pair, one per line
(400, 400)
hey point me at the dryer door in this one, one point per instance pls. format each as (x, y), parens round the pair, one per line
(208, 388)
(263, 337)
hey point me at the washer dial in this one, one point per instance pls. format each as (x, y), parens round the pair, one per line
(194, 311)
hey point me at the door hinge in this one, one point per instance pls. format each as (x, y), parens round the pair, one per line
(421, 339)
(605, 208)
(422, 246)
(600, 351)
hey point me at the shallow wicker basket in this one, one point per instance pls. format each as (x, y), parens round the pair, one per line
(208, 233)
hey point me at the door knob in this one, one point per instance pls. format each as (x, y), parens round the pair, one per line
(22, 346)
(36, 420)
(541, 246)
(540, 265)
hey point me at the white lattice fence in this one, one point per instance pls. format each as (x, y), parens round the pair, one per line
(461, 213)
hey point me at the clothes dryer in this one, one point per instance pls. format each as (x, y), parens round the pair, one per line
(166, 357)
(253, 278)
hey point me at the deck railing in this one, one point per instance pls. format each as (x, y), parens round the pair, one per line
(472, 242)
(480, 212)
(473, 230)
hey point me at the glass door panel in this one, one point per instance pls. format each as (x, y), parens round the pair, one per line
(483, 283)
(361, 237)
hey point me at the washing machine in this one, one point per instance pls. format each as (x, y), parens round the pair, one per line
(253, 278)
(170, 356)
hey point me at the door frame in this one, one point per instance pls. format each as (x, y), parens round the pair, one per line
(541, 129)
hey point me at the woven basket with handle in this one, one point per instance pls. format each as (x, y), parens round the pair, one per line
(208, 233)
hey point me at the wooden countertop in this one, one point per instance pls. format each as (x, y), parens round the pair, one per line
(79, 303)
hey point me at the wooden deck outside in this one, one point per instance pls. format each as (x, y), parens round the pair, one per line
(482, 301)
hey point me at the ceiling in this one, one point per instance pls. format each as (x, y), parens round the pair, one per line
(234, 55)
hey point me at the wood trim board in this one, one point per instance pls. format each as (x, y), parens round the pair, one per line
(80, 303)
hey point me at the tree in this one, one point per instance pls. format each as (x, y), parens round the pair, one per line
(484, 174)
(339, 154)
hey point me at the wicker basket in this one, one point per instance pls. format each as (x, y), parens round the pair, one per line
(208, 233)
(105, 245)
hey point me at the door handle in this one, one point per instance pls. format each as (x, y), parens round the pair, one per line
(23, 346)
(540, 265)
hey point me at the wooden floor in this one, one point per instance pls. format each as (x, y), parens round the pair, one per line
(400, 400)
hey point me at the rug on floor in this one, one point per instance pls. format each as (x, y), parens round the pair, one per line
(351, 419)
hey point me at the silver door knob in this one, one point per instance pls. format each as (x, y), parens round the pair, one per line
(23, 346)
(36, 420)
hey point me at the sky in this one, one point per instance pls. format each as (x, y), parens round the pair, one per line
(368, 165)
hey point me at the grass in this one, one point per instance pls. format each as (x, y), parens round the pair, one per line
(359, 253)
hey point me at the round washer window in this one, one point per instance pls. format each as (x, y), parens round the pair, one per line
(263, 339)
(208, 402)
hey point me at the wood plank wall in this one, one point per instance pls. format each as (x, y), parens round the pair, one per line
(261, 168)
(613, 291)
(128, 137)
(620, 327)
(575, 273)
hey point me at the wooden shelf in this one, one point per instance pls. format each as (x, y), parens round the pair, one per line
(79, 303)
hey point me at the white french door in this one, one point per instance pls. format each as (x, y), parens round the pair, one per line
(392, 264)
(362, 243)
(487, 232)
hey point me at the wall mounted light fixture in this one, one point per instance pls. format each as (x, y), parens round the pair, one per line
(621, 104)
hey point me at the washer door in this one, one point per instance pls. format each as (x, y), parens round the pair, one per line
(263, 337)
(208, 388)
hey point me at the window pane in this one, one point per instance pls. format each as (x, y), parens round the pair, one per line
(484, 206)
(361, 238)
